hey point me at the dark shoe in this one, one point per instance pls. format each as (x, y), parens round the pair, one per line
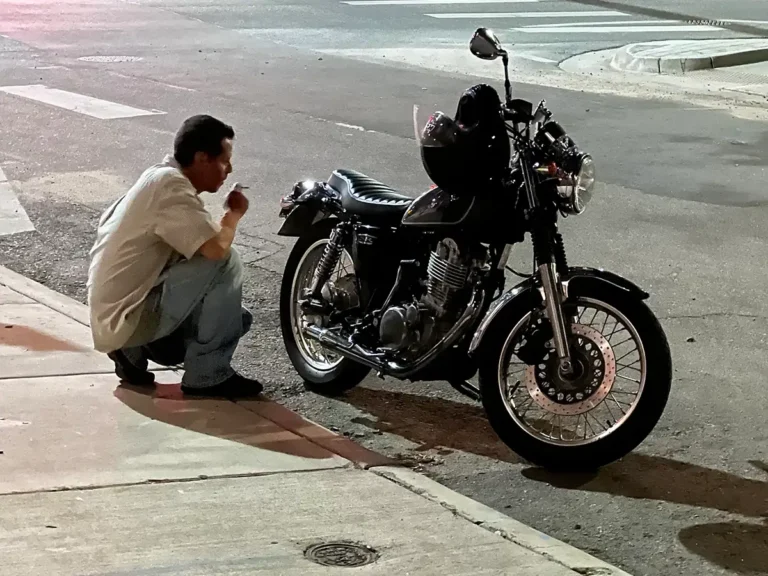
(234, 386)
(128, 373)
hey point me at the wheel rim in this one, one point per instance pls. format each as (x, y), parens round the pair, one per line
(312, 352)
(612, 358)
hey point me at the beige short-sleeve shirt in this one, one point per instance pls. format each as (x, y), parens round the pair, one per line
(158, 219)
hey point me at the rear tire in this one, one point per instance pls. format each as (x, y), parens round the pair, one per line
(344, 375)
(619, 441)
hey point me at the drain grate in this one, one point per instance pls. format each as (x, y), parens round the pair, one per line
(346, 554)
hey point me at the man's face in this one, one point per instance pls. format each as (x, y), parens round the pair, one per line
(213, 170)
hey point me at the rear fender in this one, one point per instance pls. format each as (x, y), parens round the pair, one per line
(308, 203)
(530, 293)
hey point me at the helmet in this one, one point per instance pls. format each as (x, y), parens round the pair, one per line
(471, 152)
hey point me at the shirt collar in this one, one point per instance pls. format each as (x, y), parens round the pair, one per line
(171, 161)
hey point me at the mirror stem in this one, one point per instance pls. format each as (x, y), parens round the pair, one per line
(507, 85)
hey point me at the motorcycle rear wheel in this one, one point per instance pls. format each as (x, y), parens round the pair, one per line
(323, 371)
(546, 441)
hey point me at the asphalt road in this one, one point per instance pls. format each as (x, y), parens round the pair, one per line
(681, 209)
(543, 31)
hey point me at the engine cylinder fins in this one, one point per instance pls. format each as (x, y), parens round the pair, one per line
(452, 275)
(447, 273)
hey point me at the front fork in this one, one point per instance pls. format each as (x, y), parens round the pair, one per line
(549, 252)
(553, 296)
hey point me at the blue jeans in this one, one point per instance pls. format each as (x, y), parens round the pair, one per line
(193, 315)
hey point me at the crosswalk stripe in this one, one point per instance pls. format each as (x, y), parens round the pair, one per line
(489, 15)
(431, 2)
(603, 23)
(94, 107)
(13, 217)
(600, 29)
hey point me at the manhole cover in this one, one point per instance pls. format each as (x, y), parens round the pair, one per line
(341, 554)
(110, 58)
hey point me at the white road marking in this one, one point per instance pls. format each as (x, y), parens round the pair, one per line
(431, 2)
(13, 217)
(728, 20)
(95, 107)
(352, 126)
(535, 58)
(606, 29)
(489, 15)
(603, 23)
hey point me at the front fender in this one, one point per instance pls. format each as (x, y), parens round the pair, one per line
(580, 276)
(308, 203)
(577, 279)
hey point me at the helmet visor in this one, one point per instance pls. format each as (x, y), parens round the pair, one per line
(433, 129)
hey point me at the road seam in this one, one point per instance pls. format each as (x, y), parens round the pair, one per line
(183, 480)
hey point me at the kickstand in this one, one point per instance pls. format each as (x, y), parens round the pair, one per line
(467, 389)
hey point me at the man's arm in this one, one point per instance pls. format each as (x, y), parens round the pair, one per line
(217, 248)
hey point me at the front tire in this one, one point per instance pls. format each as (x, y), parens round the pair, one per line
(331, 378)
(546, 441)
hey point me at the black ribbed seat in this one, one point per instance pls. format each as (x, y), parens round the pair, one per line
(369, 198)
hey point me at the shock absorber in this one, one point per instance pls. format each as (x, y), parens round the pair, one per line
(328, 261)
(560, 259)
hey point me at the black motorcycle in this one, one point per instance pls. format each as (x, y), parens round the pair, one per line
(574, 369)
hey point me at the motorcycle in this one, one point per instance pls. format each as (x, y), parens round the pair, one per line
(574, 369)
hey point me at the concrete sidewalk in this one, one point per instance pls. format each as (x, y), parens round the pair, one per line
(103, 478)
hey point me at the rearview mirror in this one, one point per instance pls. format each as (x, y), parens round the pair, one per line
(486, 45)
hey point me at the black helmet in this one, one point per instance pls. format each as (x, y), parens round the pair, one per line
(471, 152)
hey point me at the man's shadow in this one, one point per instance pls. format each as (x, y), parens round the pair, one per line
(218, 417)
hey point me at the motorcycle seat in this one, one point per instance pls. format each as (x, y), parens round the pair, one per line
(369, 198)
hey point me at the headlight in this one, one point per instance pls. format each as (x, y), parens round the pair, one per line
(585, 183)
(575, 193)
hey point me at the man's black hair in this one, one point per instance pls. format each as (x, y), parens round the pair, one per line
(201, 133)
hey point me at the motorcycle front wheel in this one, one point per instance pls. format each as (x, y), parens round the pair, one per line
(612, 402)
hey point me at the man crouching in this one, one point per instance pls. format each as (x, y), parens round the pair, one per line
(165, 282)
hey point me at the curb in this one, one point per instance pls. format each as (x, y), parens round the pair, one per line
(340, 445)
(572, 558)
(626, 59)
(43, 295)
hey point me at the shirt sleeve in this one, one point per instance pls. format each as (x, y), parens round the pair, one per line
(181, 219)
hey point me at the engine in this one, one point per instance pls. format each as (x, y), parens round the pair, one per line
(415, 326)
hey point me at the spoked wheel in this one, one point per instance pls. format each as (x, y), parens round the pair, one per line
(599, 413)
(323, 371)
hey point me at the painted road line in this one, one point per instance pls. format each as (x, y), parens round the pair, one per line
(13, 217)
(431, 2)
(88, 105)
(535, 58)
(488, 15)
(604, 23)
(606, 29)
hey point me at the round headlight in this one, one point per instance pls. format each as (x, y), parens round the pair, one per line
(585, 184)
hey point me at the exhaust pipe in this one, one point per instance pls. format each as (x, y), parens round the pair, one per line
(374, 360)
(344, 347)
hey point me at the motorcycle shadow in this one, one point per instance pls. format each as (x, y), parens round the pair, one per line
(739, 547)
(439, 423)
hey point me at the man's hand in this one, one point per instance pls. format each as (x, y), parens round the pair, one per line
(237, 201)
(217, 248)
